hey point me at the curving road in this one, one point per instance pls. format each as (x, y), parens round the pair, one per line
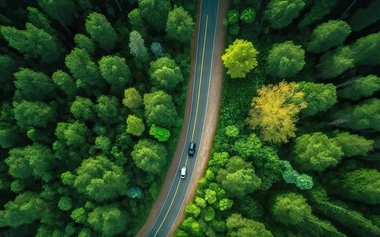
(205, 48)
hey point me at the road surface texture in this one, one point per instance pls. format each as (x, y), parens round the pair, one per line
(203, 98)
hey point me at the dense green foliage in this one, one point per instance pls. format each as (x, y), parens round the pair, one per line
(85, 132)
(296, 152)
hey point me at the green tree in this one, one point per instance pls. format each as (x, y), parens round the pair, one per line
(132, 99)
(107, 108)
(34, 43)
(73, 134)
(103, 143)
(165, 74)
(317, 12)
(155, 12)
(285, 59)
(332, 64)
(365, 115)
(240, 58)
(31, 161)
(137, 47)
(327, 35)
(7, 67)
(83, 69)
(353, 145)
(239, 226)
(135, 19)
(361, 87)
(135, 125)
(161, 134)
(366, 50)
(281, 13)
(180, 24)
(83, 109)
(290, 209)
(100, 179)
(248, 147)
(85, 43)
(24, 209)
(318, 96)
(108, 220)
(79, 215)
(149, 156)
(160, 109)
(232, 16)
(316, 152)
(32, 86)
(361, 184)
(115, 71)
(364, 17)
(238, 179)
(65, 82)
(60, 10)
(232, 131)
(101, 31)
(248, 15)
(65, 203)
(39, 20)
(37, 114)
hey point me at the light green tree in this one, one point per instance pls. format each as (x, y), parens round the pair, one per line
(285, 59)
(239, 226)
(161, 134)
(160, 109)
(248, 15)
(240, 58)
(135, 125)
(132, 99)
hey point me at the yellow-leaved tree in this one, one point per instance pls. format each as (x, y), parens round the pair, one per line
(274, 112)
(240, 58)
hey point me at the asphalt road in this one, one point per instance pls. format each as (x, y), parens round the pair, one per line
(179, 187)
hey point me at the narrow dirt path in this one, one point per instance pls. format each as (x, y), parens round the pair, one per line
(211, 122)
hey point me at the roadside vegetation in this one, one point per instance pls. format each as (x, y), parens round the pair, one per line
(296, 152)
(92, 96)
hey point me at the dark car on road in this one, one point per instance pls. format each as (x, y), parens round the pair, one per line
(192, 149)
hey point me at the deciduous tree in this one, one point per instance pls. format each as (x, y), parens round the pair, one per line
(34, 43)
(160, 109)
(285, 59)
(33, 85)
(65, 82)
(37, 114)
(327, 35)
(366, 50)
(248, 15)
(155, 12)
(83, 69)
(149, 155)
(101, 31)
(275, 111)
(161, 134)
(361, 87)
(85, 43)
(332, 64)
(135, 125)
(132, 98)
(165, 73)
(316, 152)
(318, 96)
(240, 58)
(115, 71)
(180, 24)
(108, 220)
(319, 9)
(60, 10)
(353, 145)
(364, 17)
(239, 226)
(281, 13)
(100, 179)
(83, 109)
(107, 108)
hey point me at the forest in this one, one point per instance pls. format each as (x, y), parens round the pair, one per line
(296, 152)
(92, 100)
